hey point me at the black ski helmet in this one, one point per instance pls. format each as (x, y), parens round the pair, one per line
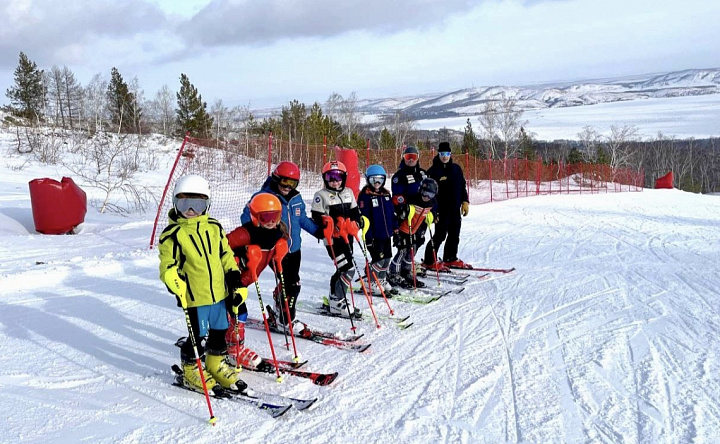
(428, 186)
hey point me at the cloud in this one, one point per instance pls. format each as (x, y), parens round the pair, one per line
(60, 32)
(249, 22)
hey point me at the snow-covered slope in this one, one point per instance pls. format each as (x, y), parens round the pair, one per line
(607, 332)
(470, 101)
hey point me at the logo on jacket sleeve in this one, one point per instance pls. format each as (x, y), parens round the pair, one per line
(297, 212)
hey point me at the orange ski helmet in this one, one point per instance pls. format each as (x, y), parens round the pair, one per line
(264, 208)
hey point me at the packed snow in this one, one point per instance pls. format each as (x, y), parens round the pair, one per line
(606, 332)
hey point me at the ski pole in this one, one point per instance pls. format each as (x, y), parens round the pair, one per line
(366, 226)
(429, 220)
(281, 250)
(327, 232)
(254, 255)
(411, 214)
(351, 228)
(197, 360)
(344, 235)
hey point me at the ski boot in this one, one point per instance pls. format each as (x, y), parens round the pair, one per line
(191, 379)
(224, 374)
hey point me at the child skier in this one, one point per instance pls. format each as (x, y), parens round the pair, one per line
(264, 230)
(283, 184)
(411, 235)
(376, 205)
(197, 266)
(330, 204)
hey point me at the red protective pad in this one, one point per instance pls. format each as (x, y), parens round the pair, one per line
(350, 159)
(57, 207)
(665, 182)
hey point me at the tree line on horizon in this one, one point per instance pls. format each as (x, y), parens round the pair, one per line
(57, 99)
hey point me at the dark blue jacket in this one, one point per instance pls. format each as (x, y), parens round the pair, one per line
(293, 214)
(379, 210)
(452, 188)
(406, 182)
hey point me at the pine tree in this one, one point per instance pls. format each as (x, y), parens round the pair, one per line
(387, 140)
(192, 111)
(471, 144)
(122, 104)
(27, 97)
(526, 147)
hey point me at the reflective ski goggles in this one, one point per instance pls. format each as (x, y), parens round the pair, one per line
(266, 217)
(376, 180)
(198, 204)
(444, 153)
(334, 176)
(427, 194)
(411, 156)
(288, 183)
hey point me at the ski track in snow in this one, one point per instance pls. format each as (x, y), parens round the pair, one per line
(607, 332)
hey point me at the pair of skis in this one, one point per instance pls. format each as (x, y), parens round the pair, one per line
(275, 405)
(318, 309)
(318, 336)
(286, 367)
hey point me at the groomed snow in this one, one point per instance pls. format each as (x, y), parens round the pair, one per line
(607, 332)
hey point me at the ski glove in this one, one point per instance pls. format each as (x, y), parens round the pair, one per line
(176, 285)
(239, 296)
(464, 208)
(235, 286)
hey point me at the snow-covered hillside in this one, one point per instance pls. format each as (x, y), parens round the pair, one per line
(607, 332)
(470, 101)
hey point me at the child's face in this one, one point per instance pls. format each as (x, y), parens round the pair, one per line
(270, 225)
(191, 205)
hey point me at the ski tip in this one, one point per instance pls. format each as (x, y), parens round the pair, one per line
(278, 412)
(326, 379)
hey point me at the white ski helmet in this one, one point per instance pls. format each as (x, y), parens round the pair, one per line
(192, 183)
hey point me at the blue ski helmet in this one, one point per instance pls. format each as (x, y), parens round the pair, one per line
(375, 170)
(375, 174)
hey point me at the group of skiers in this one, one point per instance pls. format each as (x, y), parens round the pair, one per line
(208, 271)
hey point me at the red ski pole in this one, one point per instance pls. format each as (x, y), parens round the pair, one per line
(281, 249)
(254, 255)
(328, 232)
(198, 363)
(351, 228)
(369, 270)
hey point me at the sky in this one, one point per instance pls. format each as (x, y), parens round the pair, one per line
(267, 53)
(607, 332)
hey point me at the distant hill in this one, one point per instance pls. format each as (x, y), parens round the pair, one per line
(470, 101)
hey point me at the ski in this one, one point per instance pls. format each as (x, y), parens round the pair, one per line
(309, 307)
(469, 267)
(275, 410)
(305, 332)
(267, 366)
(310, 335)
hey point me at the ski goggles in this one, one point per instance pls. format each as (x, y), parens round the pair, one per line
(198, 204)
(288, 183)
(334, 176)
(444, 153)
(427, 194)
(411, 156)
(376, 180)
(266, 217)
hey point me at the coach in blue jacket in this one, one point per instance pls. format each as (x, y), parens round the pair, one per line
(452, 201)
